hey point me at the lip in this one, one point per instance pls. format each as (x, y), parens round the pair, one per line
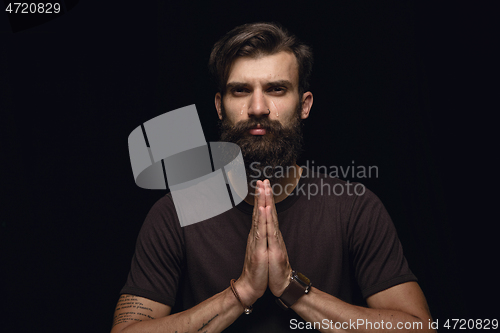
(257, 131)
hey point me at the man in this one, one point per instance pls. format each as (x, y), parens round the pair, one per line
(203, 277)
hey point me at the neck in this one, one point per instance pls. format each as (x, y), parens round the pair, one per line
(283, 187)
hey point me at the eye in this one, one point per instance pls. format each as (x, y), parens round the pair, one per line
(277, 90)
(239, 91)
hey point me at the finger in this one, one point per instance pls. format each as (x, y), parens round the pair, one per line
(261, 234)
(254, 230)
(268, 193)
(261, 197)
(272, 231)
(270, 202)
(259, 192)
(256, 199)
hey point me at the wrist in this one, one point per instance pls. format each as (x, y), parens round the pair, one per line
(245, 292)
(247, 309)
(284, 284)
(299, 286)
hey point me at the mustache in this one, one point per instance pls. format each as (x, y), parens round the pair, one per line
(243, 126)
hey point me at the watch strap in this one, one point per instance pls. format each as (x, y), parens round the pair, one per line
(299, 285)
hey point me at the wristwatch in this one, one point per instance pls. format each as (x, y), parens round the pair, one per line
(299, 285)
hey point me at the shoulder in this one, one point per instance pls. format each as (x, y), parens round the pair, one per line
(163, 207)
(335, 191)
(161, 218)
(351, 202)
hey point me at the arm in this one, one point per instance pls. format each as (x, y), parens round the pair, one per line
(215, 313)
(403, 303)
(402, 307)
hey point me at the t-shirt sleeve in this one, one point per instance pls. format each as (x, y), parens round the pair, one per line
(157, 262)
(374, 247)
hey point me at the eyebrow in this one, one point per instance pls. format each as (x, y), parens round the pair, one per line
(285, 83)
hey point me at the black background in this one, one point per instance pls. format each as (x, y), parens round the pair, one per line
(406, 86)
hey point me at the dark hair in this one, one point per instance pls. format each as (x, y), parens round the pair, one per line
(253, 40)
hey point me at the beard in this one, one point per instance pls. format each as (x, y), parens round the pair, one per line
(266, 156)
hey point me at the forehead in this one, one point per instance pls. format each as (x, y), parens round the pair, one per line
(280, 66)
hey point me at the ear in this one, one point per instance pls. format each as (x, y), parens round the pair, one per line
(307, 102)
(218, 103)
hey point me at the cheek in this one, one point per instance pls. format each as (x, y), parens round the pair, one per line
(280, 110)
(284, 111)
(231, 116)
(235, 111)
(227, 109)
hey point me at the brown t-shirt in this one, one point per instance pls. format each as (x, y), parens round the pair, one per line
(338, 235)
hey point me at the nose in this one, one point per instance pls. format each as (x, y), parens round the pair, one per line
(258, 105)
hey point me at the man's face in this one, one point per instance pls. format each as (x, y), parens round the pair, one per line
(261, 111)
